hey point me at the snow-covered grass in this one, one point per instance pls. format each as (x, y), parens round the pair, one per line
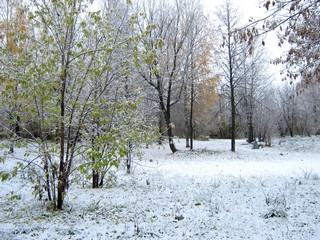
(208, 193)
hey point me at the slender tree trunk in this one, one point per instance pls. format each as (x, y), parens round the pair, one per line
(187, 121)
(54, 196)
(160, 128)
(249, 122)
(46, 169)
(129, 156)
(231, 83)
(191, 114)
(232, 100)
(233, 122)
(62, 176)
(95, 174)
(248, 95)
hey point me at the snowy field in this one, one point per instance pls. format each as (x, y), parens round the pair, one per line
(209, 193)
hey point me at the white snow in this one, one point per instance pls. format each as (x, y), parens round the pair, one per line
(208, 193)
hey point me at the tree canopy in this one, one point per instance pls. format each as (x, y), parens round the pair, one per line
(297, 25)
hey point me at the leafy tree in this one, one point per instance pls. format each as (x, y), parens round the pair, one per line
(297, 25)
(68, 76)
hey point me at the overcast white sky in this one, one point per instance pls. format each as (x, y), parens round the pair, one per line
(246, 8)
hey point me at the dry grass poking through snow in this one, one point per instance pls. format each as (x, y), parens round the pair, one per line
(209, 193)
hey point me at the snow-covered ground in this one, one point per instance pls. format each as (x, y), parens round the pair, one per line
(208, 193)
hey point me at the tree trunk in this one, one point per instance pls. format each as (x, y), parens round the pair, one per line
(62, 185)
(166, 112)
(169, 132)
(187, 140)
(54, 196)
(170, 136)
(187, 122)
(128, 166)
(231, 84)
(187, 128)
(17, 126)
(62, 174)
(129, 157)
(101, 182)
(233, 122)
(160, 128)
(249, 109)
(250, 128)
(95, 179)
(191, 114)
(186, 116)
(46, 169)
(233, 105)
